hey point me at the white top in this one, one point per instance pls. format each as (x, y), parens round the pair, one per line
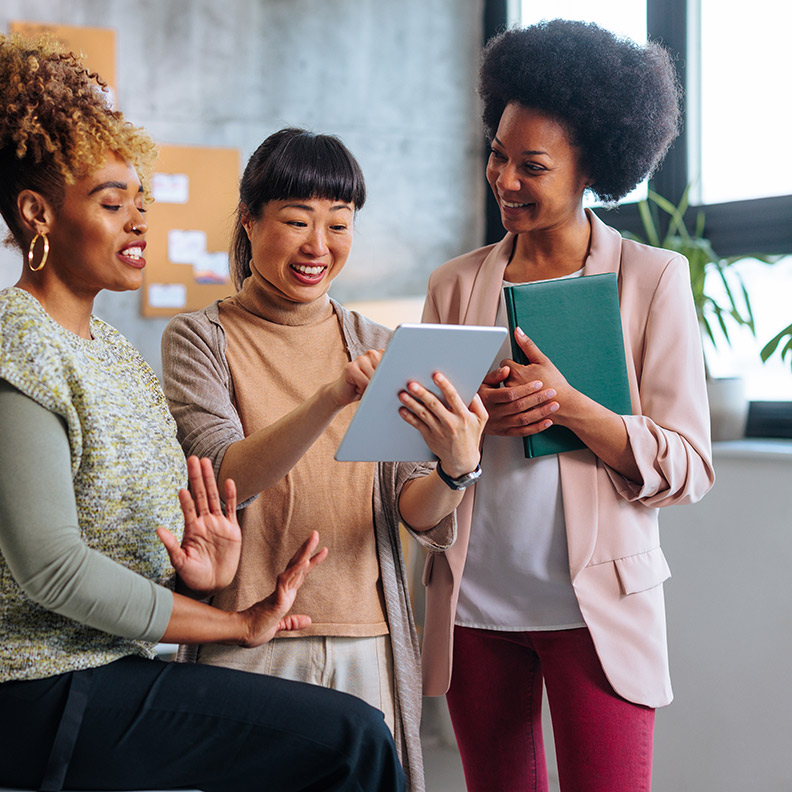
(516, 575)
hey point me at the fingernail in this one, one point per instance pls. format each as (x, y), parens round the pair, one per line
(537, 385)
(520, 332)
(553, 407)
(551, 393)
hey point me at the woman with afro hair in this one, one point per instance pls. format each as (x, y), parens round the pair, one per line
(91, 483)
(556, 577)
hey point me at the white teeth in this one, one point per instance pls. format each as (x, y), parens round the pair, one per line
(133, 252)
(308, 270)
(513, 205)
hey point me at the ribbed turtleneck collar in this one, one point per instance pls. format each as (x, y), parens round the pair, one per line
(260, 297)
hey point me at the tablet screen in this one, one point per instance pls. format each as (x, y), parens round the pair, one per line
(463, 353)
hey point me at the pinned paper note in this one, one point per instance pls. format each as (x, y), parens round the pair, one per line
(196, 190)
(167, 295)
(186, 247)
(170, 187)
(211, 268)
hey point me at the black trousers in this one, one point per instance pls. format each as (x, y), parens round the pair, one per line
(148, 724)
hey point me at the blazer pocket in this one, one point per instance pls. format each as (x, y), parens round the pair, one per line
(642, 571)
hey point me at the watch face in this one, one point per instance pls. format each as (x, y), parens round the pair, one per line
(463, 482)
(469, 479)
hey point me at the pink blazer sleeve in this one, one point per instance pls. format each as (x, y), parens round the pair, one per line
(670, 436)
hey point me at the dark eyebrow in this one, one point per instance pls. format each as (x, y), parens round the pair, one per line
(308, 208)
(528, 153)
(112, 185)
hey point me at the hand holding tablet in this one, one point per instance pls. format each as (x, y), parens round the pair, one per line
(462, 353)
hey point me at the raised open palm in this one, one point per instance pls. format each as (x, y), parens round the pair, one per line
(206, 560)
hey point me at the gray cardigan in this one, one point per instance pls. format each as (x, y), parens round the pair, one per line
(200, 391)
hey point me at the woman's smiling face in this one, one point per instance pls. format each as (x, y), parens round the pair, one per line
(96, 237)
(534, 171)
(301, 245)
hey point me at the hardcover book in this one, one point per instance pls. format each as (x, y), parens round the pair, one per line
(576, 323)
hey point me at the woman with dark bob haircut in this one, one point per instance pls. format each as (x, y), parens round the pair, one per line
(264, 384)
(95, 517)
(556, 576)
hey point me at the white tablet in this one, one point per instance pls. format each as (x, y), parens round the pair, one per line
(463, 353)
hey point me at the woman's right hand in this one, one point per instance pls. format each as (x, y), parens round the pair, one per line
(271, 615)
(520, 409)
(354, 380)
(207, 558)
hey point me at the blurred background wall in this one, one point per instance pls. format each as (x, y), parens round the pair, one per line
(395, 79)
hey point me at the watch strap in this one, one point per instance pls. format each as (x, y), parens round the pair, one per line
(463, 481)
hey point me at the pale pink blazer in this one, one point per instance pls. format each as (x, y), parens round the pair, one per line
(616, 564)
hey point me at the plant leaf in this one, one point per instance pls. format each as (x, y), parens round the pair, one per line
(771, 345)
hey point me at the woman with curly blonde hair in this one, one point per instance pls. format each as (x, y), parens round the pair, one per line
(90, 470)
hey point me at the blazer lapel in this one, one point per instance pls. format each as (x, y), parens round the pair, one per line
(605, 252)
(482, 307)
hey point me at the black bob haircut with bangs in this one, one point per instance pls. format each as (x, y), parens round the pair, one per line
(293, 164)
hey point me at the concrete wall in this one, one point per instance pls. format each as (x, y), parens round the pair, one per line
(394, 78)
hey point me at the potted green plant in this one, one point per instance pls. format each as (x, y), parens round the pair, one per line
(728, 405)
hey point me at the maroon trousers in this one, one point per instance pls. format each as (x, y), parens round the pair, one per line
(603, 742)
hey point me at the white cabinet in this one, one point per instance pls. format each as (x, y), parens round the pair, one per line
(729, 607)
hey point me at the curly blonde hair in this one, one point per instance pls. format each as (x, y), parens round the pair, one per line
(57, 125)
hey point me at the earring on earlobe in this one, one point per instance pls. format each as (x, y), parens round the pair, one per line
(31, 252)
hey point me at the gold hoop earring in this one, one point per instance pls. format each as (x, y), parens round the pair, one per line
(31, 252)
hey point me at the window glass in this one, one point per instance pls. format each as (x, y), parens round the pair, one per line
(771, 381)
(738, 135)
(623, 17)
(746, 113)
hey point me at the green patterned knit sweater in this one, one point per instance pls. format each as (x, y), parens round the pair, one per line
(126, 466)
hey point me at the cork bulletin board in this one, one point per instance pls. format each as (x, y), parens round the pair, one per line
(97, 46)
(190, 224)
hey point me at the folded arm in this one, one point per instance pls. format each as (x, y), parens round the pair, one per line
(661, 456)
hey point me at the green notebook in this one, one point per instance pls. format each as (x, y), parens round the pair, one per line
(576, 323)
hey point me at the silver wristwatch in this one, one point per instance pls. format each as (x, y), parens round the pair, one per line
(463, 482)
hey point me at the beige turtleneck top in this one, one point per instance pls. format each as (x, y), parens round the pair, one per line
(279, 353)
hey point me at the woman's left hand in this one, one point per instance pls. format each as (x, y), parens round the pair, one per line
(562, 398)
(207, 558)
(453, 432)
(603, 431)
